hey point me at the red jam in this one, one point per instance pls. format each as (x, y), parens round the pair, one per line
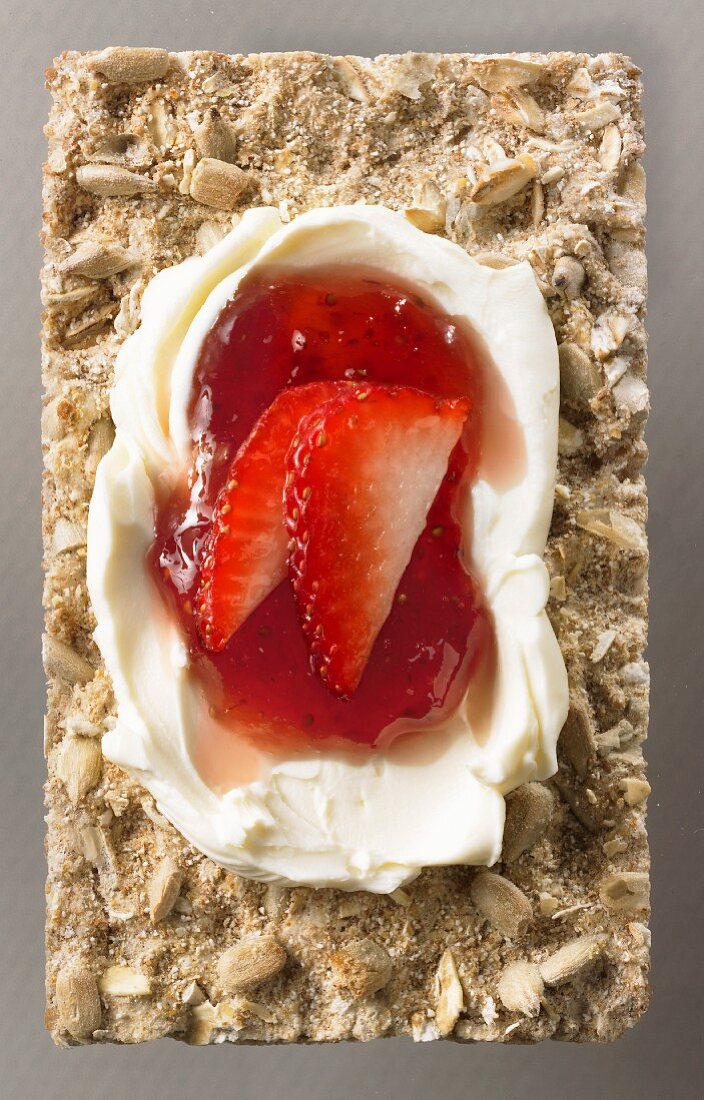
(287, 330)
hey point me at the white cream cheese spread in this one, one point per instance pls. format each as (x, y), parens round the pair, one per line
(365, 820)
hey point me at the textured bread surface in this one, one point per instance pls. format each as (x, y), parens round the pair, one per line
(152, 157)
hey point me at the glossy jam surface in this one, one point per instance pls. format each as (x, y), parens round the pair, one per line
(288, 329)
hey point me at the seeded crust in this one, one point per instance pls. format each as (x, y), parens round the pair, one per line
(152, 157)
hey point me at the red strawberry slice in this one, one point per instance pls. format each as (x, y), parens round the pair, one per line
(244, 557)
(363, 472)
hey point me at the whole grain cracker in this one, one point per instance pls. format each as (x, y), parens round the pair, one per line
(514, 158)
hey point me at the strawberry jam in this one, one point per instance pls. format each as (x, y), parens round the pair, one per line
(289, 329)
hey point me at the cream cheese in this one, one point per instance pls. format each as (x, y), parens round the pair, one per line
(364, 820)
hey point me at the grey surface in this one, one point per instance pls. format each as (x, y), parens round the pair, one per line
(663, 1056)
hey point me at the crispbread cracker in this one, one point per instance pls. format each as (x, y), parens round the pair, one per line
(531, 157)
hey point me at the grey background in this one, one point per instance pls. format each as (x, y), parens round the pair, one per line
(664, 1056)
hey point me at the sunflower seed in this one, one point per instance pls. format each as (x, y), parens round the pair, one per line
(553, 174)
(633, 186)
(130, 64)
(528, 812)
(572, 960)
(598, 116)
(193, 994)
(362, 968)
(67, 536)
(568, 276)
(217, 184)
(429, 209)
(202, 1024)
(124, 981)
(580, 377)
(250, 963)
(495, 74)
(214, 138)
(63, 661)
(580, 84)
(78, 1002)
(71, 301)
(496, 260)
(504, 179)
(625, 890)
(163, 889)
(589, 815)
(100, 439)
(96, 260)
(576, 742)
(520, 108)
(355, 78)
(610, 148)
(613, 526)
(79, 766)
(628, 264)
(160, 124)
(521, 987)
(93, 844)
(450, 995)
(109, 181)
(85, 331)
(501, 903)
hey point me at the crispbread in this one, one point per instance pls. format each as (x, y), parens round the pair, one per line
(532, 157)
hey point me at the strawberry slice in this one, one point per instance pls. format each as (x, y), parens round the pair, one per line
(362, 475)
(244, 557)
